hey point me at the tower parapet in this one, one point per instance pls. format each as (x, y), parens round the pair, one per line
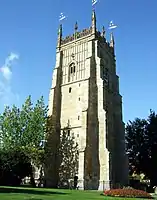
(77, 35)
(87, 33)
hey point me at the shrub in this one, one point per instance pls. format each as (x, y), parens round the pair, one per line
(14, 166)
(127, 192)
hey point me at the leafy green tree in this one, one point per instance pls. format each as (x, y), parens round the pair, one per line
(33, 123)
(69, 156)
(141, 143)
(151, 143)
(60, 146)
(52, 157)
(25, 128)
(9, 125)
(25, 124)
(38, 122)
(135, 144)
(34, 127)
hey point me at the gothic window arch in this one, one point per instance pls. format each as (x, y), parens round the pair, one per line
(72, 67)
(72, 71)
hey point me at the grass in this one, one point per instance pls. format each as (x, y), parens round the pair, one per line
(9, 193)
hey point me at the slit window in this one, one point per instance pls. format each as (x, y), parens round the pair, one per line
(70, 90)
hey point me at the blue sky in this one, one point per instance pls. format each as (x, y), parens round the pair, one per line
(29, 29)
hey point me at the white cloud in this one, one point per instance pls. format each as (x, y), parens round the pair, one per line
(6, 68)
(6, 94)
(6, 73)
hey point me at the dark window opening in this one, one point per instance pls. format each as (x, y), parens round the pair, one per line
(79, 98)
(70, 90)
(74, 69)
(71, 70)
(78, 117)
(68, 132)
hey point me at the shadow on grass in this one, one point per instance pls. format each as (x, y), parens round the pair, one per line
(29, 191)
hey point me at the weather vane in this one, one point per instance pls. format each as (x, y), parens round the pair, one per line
(94, 2)
(112, 25)
(62, 17)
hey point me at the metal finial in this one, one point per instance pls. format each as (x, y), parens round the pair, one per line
(112, 40)
(76, 26)
(103, 31)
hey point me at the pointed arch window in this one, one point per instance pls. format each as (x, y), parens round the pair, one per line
(72, 71)
(72, 68)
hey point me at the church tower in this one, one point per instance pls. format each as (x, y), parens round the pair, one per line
(85, 94)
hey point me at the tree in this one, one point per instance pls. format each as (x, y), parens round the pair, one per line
(25, 129)
(61, 147)
(151, 144)
(141, 144)
(135, 144)
(69, 156)
(51, 164)
(10, 129)
(33, 123)
(14, 166)
(34, 129)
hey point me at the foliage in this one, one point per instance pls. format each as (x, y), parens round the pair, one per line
(141, 144)
(69, 155)
(61, 155)
(51, 164)
(24, 129)
(127, 193)
(136, 148)
(14, 166)
(10, 127)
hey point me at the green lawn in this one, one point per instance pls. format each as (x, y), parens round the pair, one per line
(7, 193)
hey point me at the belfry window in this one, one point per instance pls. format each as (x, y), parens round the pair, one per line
(72, 71)
(72, 68)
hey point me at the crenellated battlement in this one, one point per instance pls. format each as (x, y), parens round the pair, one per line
(77, 35)
(87, 33)
(80, 34)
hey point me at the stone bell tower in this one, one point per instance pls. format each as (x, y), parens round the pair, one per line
(85, 94)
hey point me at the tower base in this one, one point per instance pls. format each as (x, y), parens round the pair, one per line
(103, 185)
